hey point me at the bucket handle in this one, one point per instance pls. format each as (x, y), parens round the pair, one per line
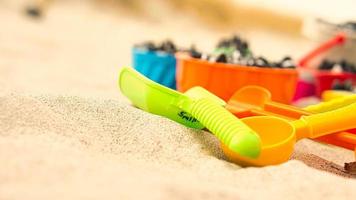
(338, 39)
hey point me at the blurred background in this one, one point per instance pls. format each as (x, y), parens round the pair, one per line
(77, 46)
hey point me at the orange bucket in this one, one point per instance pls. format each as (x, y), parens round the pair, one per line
(224, 79)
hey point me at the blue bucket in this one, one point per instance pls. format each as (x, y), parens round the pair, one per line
(157, 66)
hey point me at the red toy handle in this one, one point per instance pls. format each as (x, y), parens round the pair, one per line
(337, 40)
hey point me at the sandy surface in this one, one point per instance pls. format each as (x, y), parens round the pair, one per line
(67, 133)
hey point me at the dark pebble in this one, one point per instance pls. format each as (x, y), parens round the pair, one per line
(221, 58)
(168, 46)
(326, 65)
(34, 11)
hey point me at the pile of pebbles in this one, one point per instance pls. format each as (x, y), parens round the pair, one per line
(235, 50)
(341, 66)
(166, 46)
(347, 85)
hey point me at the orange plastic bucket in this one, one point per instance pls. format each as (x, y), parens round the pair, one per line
(224, 79)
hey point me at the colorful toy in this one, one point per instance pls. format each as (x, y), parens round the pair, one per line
(156, 65)
(224, 79)
(256, 101)
(324, 79)
(279, 135)
(332, 104)
(305, 86)
(328, 95)
(335, 99)
(188, 108)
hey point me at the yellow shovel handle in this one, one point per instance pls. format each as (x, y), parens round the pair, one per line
(332, 104)
(329, 122)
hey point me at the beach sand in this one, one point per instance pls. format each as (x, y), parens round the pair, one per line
(66, 132)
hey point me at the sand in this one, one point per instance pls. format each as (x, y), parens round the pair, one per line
(69, 147)
(67, 133)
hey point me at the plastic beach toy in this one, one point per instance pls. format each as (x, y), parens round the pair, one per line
(328, 95)
(325, 78)
(344, 99)
(279, 135)
(339, 98)
(223, 79)
(160, 100)
(255, 101)
(339, 39)
(158, 66)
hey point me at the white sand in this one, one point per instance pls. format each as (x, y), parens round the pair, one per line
(91, 144)
(55, 147)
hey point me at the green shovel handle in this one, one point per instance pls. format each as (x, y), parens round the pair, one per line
(226, 127)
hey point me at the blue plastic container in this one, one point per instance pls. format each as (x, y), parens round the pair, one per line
(157, 66)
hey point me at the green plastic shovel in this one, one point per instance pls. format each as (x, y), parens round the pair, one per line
(196, 108)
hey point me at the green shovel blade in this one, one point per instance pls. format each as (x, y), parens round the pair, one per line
(154, 98)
